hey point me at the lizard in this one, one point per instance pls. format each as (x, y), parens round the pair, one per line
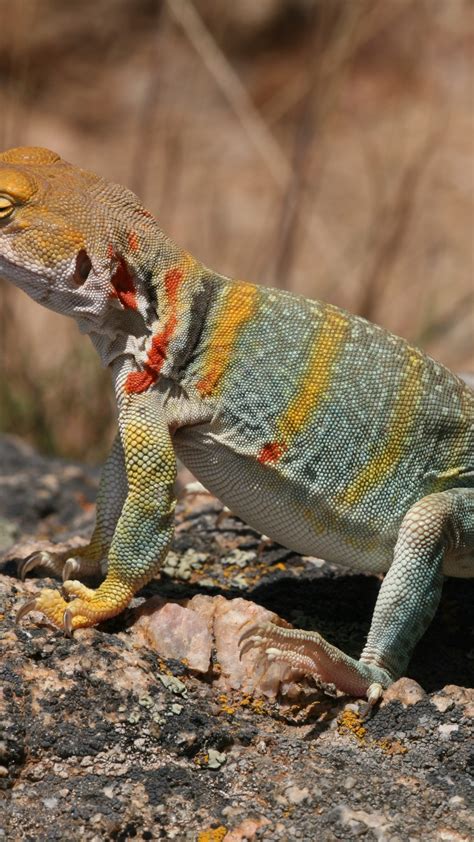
(321, 430)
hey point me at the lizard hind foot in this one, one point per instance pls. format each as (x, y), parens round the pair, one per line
(309, 652)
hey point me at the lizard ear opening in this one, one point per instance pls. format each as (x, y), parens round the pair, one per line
(83, 267)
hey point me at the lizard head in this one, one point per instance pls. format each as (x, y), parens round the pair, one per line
(70, 239)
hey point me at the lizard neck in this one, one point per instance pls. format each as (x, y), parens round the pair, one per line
(163, 319)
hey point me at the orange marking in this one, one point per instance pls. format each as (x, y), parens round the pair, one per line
(239, 306)
(146, 213)
(140, 381)
(133, 241)
(173, 279)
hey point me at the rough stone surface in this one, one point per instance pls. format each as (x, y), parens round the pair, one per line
(193, 630)
(103, 738)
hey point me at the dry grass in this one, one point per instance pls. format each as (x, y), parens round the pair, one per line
(324, 146)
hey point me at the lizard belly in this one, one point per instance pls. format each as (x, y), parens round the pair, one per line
(283, 511)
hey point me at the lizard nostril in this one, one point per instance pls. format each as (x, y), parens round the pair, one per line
(83, 267)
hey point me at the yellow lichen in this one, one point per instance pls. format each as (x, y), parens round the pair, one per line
(351, 721)
(213, 834)
(258, 705)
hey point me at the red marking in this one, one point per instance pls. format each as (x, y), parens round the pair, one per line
(110, 250)
(271, 452)
(133, 241)
(123, 283)
(140, 381)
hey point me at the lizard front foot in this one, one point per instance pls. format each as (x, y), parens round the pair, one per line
(87, 608)
(313, 655)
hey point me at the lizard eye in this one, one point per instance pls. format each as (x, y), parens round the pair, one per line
(83, 267)
(6, 206)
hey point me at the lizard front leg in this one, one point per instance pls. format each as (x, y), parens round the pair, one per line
(144, 529)
(91, 559)
(437, 526)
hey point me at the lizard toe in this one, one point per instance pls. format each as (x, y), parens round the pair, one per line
(29, 605)
(256, 636)
(49, 602)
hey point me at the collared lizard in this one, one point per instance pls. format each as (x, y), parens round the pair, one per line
(323, 431)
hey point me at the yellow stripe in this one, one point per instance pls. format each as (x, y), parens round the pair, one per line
(316, 380)
(238, 307)
(391, 451)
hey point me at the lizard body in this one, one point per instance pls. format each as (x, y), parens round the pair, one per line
(323, 431)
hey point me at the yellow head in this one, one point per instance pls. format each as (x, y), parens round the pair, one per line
(70, 239)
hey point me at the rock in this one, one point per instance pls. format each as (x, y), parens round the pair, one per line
(442, 703)
(447, 728)
(246, 831)
(463, 696)
(405, 690)
(175, 631)
(188, 630)
(101, 739)
(295, 794)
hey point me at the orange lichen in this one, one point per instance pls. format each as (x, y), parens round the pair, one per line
(391, 746)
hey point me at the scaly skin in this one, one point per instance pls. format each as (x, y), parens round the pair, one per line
(326, 433)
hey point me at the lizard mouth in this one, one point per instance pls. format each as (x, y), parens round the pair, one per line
(37, 285)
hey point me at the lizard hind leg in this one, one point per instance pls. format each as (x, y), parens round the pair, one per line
(437, 527)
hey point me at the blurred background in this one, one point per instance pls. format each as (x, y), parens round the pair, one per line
(323, 146)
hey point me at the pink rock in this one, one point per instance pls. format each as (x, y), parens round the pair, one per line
(189, 630)
(177, 632)
(405, 690)
(246, 831)
(232, 617)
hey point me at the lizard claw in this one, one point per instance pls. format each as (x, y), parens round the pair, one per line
(71, 565)
(33, 605)
(67, 623)
(310, 653)
(36, 559)
(63, 561)
(29, 605)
